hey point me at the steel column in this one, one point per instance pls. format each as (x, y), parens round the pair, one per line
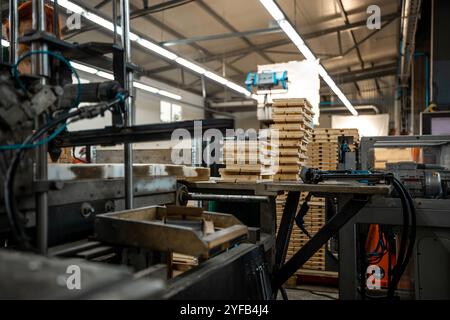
(128, 115)
(13, 31)
(40, 67)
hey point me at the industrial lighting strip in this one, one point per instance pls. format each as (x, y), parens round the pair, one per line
(286, 26)
(136, 84)
(155, 48)
(110, 76)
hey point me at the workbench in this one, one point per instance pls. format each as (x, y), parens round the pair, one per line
(349, 199)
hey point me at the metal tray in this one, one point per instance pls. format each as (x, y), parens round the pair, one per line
(144, 227)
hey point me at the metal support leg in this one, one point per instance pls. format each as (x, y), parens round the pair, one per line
(268, 224)
(347, 262)
(350, 209)
(285, 230)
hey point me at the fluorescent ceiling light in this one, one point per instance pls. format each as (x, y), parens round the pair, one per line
(190, 65)
(70, 6)
(216, 77)
(145, 87)
(157, 49)
(291, 33)
(105, 75)
(133, 36)
(273, 9)
(110, 76)
(324, 74)
(284, 24)
(278, 15)
(169, 95)
(238, 88)
(84, 68)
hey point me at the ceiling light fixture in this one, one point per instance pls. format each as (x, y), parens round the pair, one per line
(153, 46)
(275, 11)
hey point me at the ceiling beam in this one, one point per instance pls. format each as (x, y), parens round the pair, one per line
(365, 74)
(163, 26)
(308, 36)
(222, 36)
(230, 27)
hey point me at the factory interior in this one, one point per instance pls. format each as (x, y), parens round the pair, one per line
(257, 150)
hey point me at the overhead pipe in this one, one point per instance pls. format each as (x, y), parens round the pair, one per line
(358, 108)
(233, 104)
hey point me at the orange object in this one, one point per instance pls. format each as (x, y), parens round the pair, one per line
(378, 254)
(25, 11)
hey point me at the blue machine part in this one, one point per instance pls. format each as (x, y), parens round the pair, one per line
(266, 80)
(365, 172)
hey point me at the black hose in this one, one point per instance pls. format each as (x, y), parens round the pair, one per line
(12, 211)
(17, 227)
(404, 253)
(403, 262)
(284, 294)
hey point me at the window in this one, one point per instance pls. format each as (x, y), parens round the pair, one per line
(170, 112)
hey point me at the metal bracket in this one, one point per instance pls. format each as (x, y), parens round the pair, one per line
(351, 207)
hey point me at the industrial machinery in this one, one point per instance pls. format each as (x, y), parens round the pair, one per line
(266, 80)
(426, 275)
(49, 228)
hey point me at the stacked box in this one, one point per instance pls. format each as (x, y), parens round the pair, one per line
(244, 163)
(312, 224)
(323, 150)
(323, 153)
(293, 121)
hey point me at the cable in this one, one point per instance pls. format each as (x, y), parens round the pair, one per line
(404, 258)
(284, 294)
(38, 143)
(54, 55)
(10, 205)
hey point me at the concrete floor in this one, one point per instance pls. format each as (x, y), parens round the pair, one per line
(308, 292)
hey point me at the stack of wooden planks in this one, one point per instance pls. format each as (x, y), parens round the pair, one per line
(181, 263)
(323, 151)
(293, 122)
(244, 163)
(313, 222)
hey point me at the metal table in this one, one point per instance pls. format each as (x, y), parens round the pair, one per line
(351, 198)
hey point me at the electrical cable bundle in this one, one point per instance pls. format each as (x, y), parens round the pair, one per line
(406, 245)
(407, 241)
(14, 217)
(58, 125)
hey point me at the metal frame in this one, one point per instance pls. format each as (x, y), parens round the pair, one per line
(351, 205)
(367, 144)
(431, 214)
(142, 133)
(251, 48)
